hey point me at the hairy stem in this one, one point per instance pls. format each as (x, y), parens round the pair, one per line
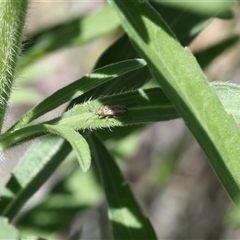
(12, 19)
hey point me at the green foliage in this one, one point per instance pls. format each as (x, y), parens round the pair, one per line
(6, 230)
(123, 209)
(185, 84)
(149, 50)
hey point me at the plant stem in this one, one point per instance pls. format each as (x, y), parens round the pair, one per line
(12, 19)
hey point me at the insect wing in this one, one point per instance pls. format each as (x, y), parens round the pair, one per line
(113, 110)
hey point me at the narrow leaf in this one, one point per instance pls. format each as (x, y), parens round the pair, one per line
(203, 7)
(126, 217)
(77, 88)
(77, 142)
(72, 33)
(35, 167)
(141, 106)
(206, 56)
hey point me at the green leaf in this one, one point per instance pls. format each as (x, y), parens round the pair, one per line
(48, 153)
(7, 231)
(229, 94)
(126, 82)
(208, 8)
(35, 167)
(182, 80)
(142, 106)
(73, 33)
(66, 199)
(77, 88)
(206, 56)
(77, 142)
(185, 24)
(126, 217)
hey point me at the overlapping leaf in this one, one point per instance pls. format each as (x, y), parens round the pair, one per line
(182, 80)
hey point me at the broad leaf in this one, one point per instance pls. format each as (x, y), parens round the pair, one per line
(184, 83)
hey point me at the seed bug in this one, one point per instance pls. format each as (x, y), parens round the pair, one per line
(112, 111)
